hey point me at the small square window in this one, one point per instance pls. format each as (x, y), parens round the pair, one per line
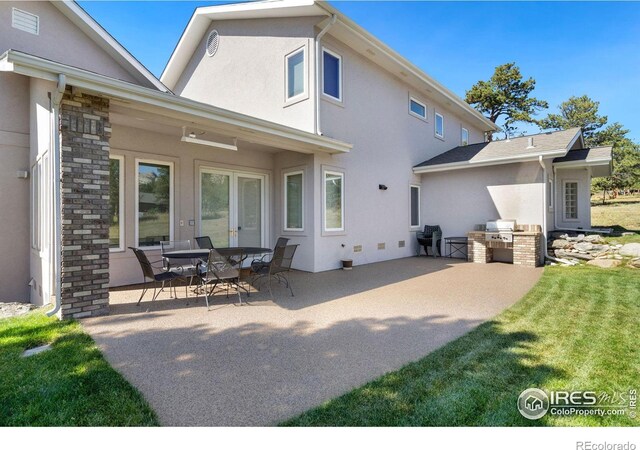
(417, 108)
(439, 126)
(464, 137)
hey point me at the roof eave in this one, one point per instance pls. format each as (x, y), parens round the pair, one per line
(37, 67)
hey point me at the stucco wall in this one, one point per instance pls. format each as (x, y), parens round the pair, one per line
(458, 200)
(584, 198)
(388, 142)
(247, 74)
(14, 191)
(187, 159)
(59, 40)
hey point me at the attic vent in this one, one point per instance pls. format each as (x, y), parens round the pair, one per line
(25, 21)
(213, 40)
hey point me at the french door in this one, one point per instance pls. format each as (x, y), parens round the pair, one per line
(232, 206)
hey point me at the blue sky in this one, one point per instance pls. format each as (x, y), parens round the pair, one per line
(570, 48)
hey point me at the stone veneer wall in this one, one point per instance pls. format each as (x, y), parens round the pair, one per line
(85, 132)
(526, 248)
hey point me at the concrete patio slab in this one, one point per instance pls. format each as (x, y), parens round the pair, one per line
(270, 359)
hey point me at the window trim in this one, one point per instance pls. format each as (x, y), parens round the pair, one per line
(285, 209)
(171, 199)
(414, 114)
(342, 228)
(335, 55)
(435, 125)
(462, 131)
(121, 215)
(305, 89)
(564, 201)
(36, 204)
(413, 227)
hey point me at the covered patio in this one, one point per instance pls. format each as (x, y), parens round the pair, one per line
(275, 357)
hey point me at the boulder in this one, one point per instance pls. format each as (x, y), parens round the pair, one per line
(634, 263)
(594, 239)
(604, 263)
(583, 246)
(632, 250)
(560, 243)
(583, 256)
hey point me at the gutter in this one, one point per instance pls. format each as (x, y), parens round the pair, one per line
(56, 98)
(332, 21)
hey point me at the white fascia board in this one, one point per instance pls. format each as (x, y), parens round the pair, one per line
(583, 163)
(36, 67)
(86, 23)
(488, 162)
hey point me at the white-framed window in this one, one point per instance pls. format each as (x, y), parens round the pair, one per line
(154, 202)
(116, 203)
(417, 108)
(35, 205)
(439, 125)
(331, 74)
(570, 200)
(294, 201)
(333, 204)
(464, 136)
(296, 74)
(414, 206)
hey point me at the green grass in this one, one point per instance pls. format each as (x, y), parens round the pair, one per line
(577, 329)
(622, 213)
(70, 385)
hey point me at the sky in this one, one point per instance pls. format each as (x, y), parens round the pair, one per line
(569, 48)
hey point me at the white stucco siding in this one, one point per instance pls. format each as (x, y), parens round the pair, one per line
(14, 191)
(582, 177)
(187, 160)
(58, 40)
(460, 199)
(247, 73)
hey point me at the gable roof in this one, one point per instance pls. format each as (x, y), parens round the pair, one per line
(104, 40)
(592, 155)
(547, 145)
(344, 30)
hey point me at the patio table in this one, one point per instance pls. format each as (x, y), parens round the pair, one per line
(203, 253)
(456, 244)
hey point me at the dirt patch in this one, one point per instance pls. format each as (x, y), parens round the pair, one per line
(15, 309)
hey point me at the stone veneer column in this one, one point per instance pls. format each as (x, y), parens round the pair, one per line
(85, 132)
(477, 250)
(526, 249)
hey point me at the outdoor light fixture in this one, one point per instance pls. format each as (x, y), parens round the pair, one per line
(382, 187)
(192, 139)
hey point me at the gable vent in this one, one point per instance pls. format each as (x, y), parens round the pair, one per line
(25, 21)
(213, 40)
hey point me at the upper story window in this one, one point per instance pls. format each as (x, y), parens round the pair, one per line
(439, 126)
(464, 136)
(331, 74)
(417, 108)
(296, 80)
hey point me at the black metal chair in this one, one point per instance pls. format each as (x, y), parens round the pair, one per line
(184, 271)
(220, 270)
(430, 237)
(258, 264)
(277, 268)
(204, 242)
(149, 275)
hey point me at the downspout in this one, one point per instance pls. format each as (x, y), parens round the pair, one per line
(57, 231)
(332, 21)
(544, 217)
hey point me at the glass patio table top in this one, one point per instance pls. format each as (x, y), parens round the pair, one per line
(224, 251)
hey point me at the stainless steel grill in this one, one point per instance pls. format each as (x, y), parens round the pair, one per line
(500, 230)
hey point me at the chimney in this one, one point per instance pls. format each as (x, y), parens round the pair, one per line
(530, 142)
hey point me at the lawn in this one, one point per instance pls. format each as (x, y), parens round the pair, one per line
(575, 330)
(622, 213)
(69, 385)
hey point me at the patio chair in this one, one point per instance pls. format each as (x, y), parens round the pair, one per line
(219, 270)
(277, 268)
(185, 272)
(149, 275)
(204, 242)
(258, 264)
(430, 237)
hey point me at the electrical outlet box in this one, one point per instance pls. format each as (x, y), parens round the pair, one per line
(381, 246)
(357, 248)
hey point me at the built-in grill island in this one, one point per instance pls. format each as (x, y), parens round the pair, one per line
(523, 240)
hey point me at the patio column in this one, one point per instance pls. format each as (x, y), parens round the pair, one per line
(85, 131)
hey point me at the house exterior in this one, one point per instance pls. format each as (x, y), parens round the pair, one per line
(278, 118)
